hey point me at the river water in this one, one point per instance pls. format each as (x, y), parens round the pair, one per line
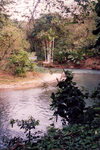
(21, 104)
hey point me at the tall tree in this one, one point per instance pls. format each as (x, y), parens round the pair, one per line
(48, 32)
(48, 44)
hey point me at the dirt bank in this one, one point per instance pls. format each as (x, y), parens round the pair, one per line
(30, 81)
(7, 81)
(89, 63)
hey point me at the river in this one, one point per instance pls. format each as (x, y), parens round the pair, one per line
(21, 104)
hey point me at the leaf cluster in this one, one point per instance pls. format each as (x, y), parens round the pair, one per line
(68, 102)
(71, 138)
(19, 63)
(97, 30)
(70, 56)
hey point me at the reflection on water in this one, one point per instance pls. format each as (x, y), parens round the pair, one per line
(89, 81)
(20, 104)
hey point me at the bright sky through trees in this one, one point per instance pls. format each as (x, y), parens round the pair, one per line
(22, 9)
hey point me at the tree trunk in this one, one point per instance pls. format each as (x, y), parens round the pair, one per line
(48, 52)
(44, 48)
(52, 50)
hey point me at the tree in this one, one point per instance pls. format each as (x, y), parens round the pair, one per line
(50, 29)
(63, 39)
(3, 15)
(19, 63)
(11, 38)
(97, 30)
(48, 44)
(67, 35)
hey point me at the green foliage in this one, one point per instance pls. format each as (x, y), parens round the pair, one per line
(96, 96)
(96, 92)
(71, 137)
(74, 137)
(44, 37)
(70, 56)
(68, 35)
(68, 102)
(3, 16)
(27, 126)
(19, 63)
(76, 57)
(60, 56)
(11, 37)
(97, 30)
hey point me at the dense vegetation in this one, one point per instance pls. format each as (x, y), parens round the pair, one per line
(64, 39)
(14, 46)
(69, 36)
(10, 40)
(97, 30)
(59, 40)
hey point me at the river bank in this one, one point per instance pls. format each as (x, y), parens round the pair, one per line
(42, 77)
(32, 80)
(89, 63)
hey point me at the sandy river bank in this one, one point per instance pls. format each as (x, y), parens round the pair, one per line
(36, 80)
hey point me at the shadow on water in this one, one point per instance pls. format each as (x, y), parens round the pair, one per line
(20, 104)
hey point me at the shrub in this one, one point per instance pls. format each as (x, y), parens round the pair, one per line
(17, 142)
(19, 63)
(69, 56)
(76, 57)
(68, 102)
(76, 137)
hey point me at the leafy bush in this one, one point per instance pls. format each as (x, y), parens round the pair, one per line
(71, 137)
(11, 37)
(96, 93)
(68, 102)
(76, 137)
(60, 56)
(69, 56)
(96, 96)
(91, 52)
(19, 143)
(76, 57)
(27, 125)
(19, 63)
